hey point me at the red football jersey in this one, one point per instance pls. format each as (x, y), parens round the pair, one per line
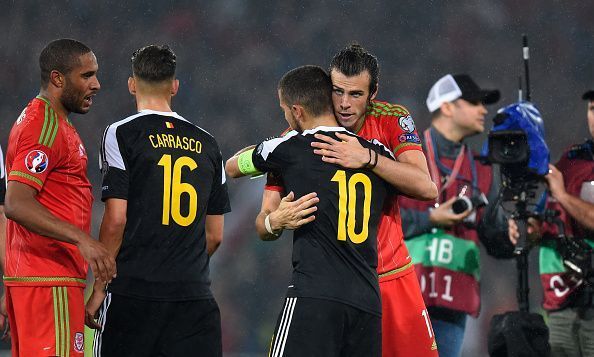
(46, 153)
(393, 126)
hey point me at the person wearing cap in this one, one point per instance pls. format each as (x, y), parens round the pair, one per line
(567, 299)
(443, 235)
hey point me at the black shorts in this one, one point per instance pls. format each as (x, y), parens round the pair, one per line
(134, 327)
(317, 327)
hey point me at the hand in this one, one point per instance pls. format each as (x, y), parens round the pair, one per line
(444, 217)
(555, 182)
(101, 262)
(93, 305)
(533, 228)
(293, 214)
(347, 153)
(4, 327)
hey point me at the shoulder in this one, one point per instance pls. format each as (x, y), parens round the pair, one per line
(268, 146)
(385, 110)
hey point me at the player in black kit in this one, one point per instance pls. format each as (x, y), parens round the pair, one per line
(333, 303)
(165, 196)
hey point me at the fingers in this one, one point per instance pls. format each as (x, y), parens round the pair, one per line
(102, 271)
(289, 197)
(90, 321)
(306, 220)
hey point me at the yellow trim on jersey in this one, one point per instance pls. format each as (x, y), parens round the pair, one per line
(43, 279)
(397, 270)
(26, 175)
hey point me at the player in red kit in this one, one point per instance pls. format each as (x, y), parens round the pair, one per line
(48, 206)
(406, 328)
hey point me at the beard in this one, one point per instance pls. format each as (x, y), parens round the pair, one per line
(71, 99)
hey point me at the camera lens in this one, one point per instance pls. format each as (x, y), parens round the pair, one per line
(462, 204)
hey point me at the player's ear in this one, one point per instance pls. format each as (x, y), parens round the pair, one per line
(174, 87)
(374, 94)
(57, 79)
(297, 111)
(131, 85)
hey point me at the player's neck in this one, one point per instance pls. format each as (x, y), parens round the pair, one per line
(55, 103)
(156, 103)
(321, 120)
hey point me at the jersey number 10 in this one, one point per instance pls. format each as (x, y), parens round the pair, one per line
(347, 206)
(173, 188)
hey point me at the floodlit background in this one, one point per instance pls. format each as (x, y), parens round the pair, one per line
(231, 54)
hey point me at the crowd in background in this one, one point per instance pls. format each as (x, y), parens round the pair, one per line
(230, 56)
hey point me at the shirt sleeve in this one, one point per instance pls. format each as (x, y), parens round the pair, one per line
(115, 175)
(274, 182)
(37, 151)
(401, 134)
(218, 202)
(271, 155)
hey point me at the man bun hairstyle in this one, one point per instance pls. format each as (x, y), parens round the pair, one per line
(353, 60)
(154, 63)
(61, 55)
(308, 86)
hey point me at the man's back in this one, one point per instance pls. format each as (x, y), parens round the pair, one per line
(170, 173)
(335, 256)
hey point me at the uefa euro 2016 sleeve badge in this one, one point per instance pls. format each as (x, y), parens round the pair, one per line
(36, 161)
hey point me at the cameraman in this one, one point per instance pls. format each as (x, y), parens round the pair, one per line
(444, 244)
(567, 299)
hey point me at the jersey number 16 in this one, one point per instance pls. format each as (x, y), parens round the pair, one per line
(173, 188)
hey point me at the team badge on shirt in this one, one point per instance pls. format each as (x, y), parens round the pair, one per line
(36, 161)
(79, 342)
(407, 123)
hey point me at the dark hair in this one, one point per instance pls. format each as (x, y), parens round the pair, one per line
(62, 55)
(154, 63)
(354, 60)
(308, 86)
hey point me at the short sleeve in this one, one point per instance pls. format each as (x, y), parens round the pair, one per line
(115, 175)
(37, 150)
(271, 155)
(218, 202)
(274, 182)
(401, 133)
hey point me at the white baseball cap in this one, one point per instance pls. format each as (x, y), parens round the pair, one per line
(451, 87)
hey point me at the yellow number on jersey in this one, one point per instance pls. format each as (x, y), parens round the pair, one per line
(173, 188)
(347, 206)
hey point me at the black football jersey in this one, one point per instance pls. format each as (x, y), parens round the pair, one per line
(2, 178)
(335, 256)
(171, 173)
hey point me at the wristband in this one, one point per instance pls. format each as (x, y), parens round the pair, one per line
(269, 227)
(246, 164)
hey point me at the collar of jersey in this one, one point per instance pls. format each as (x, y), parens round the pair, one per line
(323, 128)
(167, 114)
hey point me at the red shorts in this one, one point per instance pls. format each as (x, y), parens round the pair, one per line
(406, 328)
(46, 321)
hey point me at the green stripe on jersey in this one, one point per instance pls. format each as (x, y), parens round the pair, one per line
(443, 250)
(27, 176)
(550, 261)
(50, 126)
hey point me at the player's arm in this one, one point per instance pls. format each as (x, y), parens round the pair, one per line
(111, 235)
(3, 312)
(22, 207)
(233, 167)
(582, 211)
(284, 213)
(408, 174)
(214, 232)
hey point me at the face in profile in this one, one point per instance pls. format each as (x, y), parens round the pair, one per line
(81, 85)
(288, 114)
